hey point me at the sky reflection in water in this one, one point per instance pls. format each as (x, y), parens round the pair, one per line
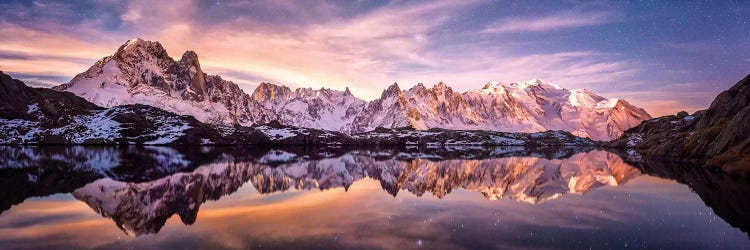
(588, 199)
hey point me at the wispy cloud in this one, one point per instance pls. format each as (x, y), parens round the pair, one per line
(366, 52)
(363, 45)
(564, 20)
(48, 54)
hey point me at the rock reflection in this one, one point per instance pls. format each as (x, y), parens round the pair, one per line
(42, 171)
(140, 188)
(725, 194)
(141, 208)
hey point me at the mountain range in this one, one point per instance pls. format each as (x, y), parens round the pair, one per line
(141, 72)
(41, 116)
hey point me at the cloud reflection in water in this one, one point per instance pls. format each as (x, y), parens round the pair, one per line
(366, 199)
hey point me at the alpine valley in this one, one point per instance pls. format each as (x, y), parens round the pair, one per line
(141, 72)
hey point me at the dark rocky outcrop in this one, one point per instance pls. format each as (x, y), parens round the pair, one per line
(16, 97)
(719, 135)
(196, 79)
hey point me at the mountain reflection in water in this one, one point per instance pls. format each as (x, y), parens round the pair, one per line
(140, 188)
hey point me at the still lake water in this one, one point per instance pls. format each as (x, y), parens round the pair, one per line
(302, 198)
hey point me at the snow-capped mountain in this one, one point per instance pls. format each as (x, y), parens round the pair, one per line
(530, 106)
(419, 107)
(305, 107)
(141, 72)
(40, 116)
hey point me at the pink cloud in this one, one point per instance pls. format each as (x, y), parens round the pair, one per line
(365, 52)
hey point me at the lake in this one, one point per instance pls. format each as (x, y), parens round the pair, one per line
(363, 198)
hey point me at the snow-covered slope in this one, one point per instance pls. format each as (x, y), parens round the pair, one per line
(389, 111)
(141, 72)
(43, 116)
(530, 106)
(324, 108)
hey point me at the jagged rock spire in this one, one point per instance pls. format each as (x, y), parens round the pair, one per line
(391, 90)
(195, 77)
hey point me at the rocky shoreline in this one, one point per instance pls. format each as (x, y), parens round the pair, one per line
(719, 135)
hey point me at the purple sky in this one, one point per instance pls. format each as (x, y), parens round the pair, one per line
(664, 56)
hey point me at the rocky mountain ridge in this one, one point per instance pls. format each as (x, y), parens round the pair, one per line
(43, 116)
(141, 72)
(305, 107)
(530, 106)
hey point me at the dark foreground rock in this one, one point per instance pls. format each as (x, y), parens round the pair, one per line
(719, 135)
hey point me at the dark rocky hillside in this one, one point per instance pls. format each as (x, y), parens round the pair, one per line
(720, 134)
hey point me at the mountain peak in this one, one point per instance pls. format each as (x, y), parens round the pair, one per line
(536, 82)
(190, 58)
(419, 87)
(195, 76)
(440, 85)
(137, 51)
(622, 104)
(392, 90)
(269, 91)
(492, 85)
(136, 43)
(614, 102)
(189, 55)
